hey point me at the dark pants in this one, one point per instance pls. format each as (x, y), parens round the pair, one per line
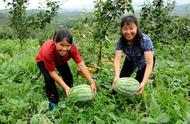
(50, 86)
(128, 68)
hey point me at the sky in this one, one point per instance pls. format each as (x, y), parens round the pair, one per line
(81, 4)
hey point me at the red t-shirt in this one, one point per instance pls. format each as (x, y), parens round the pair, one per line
(51, 58)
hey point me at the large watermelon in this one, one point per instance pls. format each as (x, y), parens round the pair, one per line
(126, 86)
(81, 93)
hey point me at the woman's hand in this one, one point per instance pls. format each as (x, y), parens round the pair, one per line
(67, 89)
(113, 83)
(149, 65)
(93, 86)
(87, 75)
(140, 89)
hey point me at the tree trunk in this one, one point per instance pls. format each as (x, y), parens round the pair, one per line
(100, 56)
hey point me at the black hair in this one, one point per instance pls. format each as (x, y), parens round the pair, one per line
(63, 34)
(127, 20)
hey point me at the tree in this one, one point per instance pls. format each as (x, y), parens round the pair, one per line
(21, 22)
(38, 21)
(105, 14)
(155, 18)
(18, 19)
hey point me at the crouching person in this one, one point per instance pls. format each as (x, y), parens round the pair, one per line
(54, 54)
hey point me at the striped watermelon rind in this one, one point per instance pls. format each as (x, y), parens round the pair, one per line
(126, 86)
(81, 93)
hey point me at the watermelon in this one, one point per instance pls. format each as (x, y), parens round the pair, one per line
(126, 86)
(81, 93)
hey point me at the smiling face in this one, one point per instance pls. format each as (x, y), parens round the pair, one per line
(63, 47)
(129, 31)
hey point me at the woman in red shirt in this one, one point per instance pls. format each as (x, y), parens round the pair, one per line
(53, 55)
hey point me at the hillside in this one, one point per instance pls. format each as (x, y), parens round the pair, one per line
(62, 15)
(182, 10)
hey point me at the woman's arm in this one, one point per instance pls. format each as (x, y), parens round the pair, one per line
(118, 55)
(56, 77)
(87, 75)
(149, 66)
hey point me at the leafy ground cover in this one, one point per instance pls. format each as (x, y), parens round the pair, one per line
(166, 98)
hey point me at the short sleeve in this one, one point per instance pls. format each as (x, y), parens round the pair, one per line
(147, 44)
(119, 45)
(75, 54)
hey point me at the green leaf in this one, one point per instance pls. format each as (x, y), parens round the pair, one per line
(125, 121)
(21, 122)
(179, 122)
(154, 107)
(187, 120)
(163, 117)
(98, 120)
(43, 106)
(112, 115)
(149, 120)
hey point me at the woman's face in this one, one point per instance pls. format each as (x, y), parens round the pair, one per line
(129, 31)
(63, 47)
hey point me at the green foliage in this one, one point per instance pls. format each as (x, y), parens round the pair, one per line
(166, 98)
(38, 22)
(180, 29)
(41, 19)
(82, 33)
(18, 19)
(23, 23)
(6, 31)
(23, 99)
(105, 14)
(155, 19)
(40, 119)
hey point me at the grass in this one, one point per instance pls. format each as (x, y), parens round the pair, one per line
(23, 99)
